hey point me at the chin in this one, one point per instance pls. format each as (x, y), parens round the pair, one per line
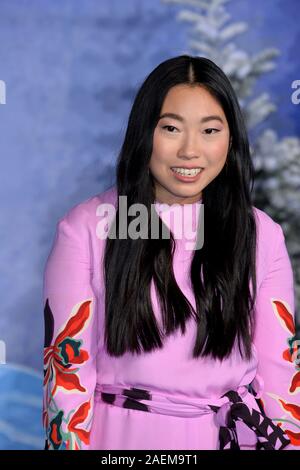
(186, 194)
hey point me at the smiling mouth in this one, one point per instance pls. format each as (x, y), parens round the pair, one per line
(186, 171)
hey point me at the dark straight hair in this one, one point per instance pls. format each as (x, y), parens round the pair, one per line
(225, 292)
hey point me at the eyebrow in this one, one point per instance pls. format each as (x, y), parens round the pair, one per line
(213, 117)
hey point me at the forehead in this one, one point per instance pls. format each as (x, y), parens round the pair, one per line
(187, 98)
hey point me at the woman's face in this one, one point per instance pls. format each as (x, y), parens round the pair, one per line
(197, 138)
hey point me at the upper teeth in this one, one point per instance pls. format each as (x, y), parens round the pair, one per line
(184, 171)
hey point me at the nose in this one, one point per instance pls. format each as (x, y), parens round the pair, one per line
(190, 147)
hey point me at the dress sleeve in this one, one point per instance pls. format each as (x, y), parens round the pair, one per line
(276, 343)
(70, 344)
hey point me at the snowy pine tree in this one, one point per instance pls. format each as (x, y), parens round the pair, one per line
(277, 161)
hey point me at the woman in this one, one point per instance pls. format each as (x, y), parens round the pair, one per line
(152, 344)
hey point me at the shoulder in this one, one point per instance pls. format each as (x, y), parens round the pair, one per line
(268, 229)
(85, 212)
(79, 223)
(270, 239)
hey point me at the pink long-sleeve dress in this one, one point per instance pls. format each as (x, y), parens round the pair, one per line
(164, 399)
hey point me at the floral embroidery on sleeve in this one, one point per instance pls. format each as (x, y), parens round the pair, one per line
(60, 357)
(71, 439)
(291, 354)
(282, 312)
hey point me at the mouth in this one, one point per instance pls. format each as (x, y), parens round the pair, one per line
(187, 174)
(187, 171)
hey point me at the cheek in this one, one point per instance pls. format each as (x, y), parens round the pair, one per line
(160, 150)
(218, 151)
(155, 146)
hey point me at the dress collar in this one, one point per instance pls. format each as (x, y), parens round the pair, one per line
(181, 219)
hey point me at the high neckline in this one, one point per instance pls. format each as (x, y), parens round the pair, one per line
(181, 219)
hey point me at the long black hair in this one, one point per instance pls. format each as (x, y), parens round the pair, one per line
(224, 299)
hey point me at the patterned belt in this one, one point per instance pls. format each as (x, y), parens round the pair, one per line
(229, 409)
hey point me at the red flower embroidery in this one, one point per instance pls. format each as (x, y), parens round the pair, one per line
(293, 436)
(294, 412)
(284, 316)
(66, 351)
(295, 382)
(293, 409)
(79, 417)
(55, 435)
(59, 357)
(286, 320)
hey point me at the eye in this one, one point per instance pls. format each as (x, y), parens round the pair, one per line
(172, 127)
(211, 129)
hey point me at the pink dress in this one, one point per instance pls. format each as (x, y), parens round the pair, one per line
(164, 399)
